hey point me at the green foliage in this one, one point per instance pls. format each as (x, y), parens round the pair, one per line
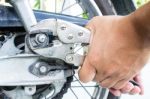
(141, 2)
(85, 15)
(37, 4)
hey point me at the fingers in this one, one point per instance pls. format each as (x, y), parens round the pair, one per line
(138, 79)
(87, 72)
(106, 83)
(110, 81)
(128, 87)
(135, 90)
(115, 92)
(120, 84)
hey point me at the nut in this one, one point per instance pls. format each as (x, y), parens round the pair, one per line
(43, 69)
(41, 38)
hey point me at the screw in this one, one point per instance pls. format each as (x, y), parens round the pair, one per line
(80, 33)
(69, 58)
(43, 69)
(30, 90)
(41, 38)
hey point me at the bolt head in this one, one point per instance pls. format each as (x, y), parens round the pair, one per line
(43, 69)
(41, 38)
(30, 90)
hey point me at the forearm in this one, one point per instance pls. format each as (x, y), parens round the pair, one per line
(141, 20)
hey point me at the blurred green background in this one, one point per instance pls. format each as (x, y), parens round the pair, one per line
(137, 2)
(140, 2)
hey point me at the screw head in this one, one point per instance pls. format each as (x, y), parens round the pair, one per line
(30, 90)
(41, 38)
(69, 58)
(43, 69)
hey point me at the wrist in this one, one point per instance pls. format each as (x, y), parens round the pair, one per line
(140, 20)
(141, 27)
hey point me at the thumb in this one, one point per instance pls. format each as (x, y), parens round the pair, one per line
(87, 72)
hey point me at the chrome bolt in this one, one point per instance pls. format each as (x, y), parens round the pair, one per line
(41, 38)
(43, 69)
(30, 90)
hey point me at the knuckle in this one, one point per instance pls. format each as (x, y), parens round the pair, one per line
(121, 75)
(108, 83)
(108, 72)
(117, 87)
(94, 60)
(104, 85)
(120, 85)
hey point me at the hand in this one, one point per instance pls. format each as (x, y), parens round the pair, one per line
(116, 52)
(129, 88)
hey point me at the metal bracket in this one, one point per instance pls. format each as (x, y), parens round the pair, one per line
(68, 35)
(67, 32)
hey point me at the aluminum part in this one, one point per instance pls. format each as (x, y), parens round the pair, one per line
(68, 35)
(72, 33)
(25, 12)
(20, 75)
(67, 32)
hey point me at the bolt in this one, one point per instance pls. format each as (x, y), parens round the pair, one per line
(43, 69)
(69, 58)
(63, 27)
(70, 36)
(30, 90)
(80, 33)
(41, 38)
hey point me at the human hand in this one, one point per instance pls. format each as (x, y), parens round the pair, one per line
(116, 52)
(130, 88)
